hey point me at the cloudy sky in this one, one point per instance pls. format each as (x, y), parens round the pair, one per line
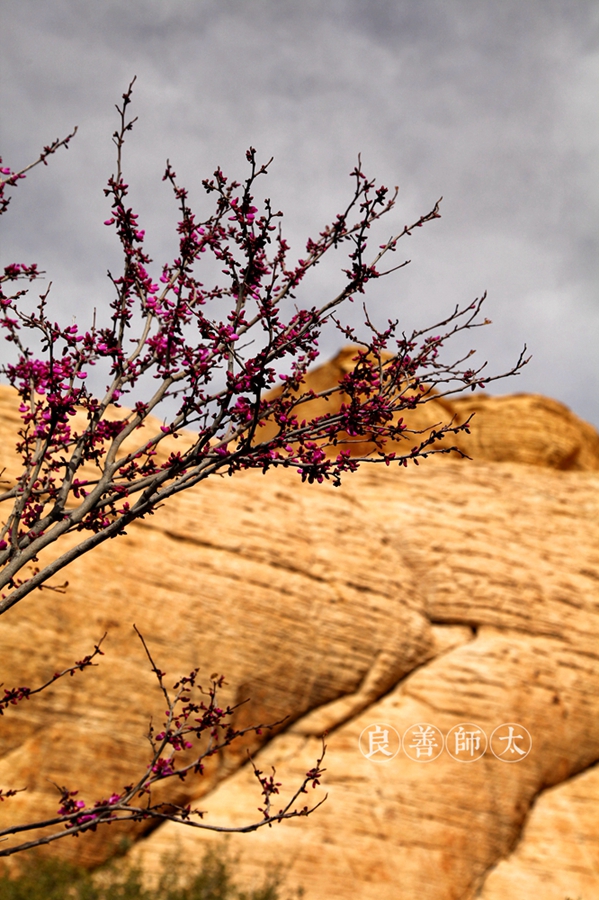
(491, 104)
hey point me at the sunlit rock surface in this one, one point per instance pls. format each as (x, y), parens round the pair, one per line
(455, 593)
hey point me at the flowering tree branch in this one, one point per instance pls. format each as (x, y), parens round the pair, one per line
(95, 478)
(14, 696)
(228, 363)
(192, 724)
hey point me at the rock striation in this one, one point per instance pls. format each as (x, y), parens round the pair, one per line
(459, 593)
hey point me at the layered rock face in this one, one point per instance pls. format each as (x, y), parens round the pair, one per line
(460, 595)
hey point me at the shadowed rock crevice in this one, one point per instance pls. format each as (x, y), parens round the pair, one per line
(379, 681)
(575, 854)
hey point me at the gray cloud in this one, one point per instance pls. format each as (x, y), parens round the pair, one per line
(491, 104)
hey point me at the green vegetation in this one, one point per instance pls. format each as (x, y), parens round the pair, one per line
(53, 879)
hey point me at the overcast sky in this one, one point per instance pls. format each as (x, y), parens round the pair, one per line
(491, 104)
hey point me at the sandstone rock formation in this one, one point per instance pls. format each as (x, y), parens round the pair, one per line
(456, 592)
(523, 428)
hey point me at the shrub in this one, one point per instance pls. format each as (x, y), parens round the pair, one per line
(53, 879)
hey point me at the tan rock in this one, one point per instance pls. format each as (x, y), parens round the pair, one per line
(437, 830)
(558, 851)
(464, 592)
(527, 428)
